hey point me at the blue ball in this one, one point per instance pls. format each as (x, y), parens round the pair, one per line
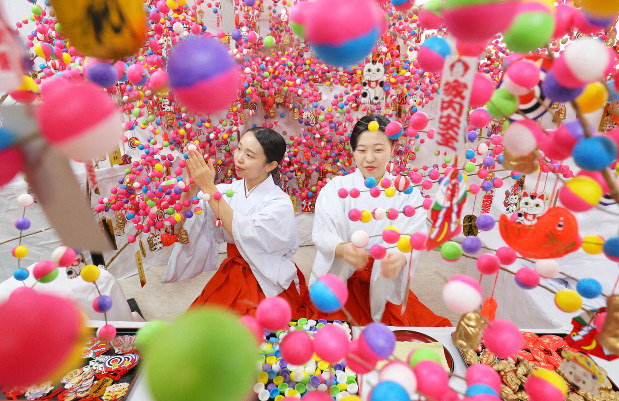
(611, 247)
(22, 223)
(589, 288)
(477, 389)
(409, 190)
(594, 153)
(370, 182)
(389, 391)
(470, 153)
(21, 274)
(350, 53)
(438, 44)
(323, 298)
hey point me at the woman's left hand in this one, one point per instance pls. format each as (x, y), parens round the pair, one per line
(203, 173)
(392, 264)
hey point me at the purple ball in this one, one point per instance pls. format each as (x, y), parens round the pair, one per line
(471, 245)
(102, 304)
(380, 339)
(472, 135)
(249, 3)
(236, 35)
(485, 222)
(489, 161)
(103, 74)
(22, 223)
(487, 186)
(552, 90)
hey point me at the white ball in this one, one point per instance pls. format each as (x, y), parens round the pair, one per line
(181, 184)
(192, 146)
(401, 373)
(519, 139)
(461, 297)
(25, 200)
(360, 238)
(379, 213)
(353, 388)
(513, 88)
(482, 149)
(178, 28)
(547, 268)
(206, 197)
(587, 59)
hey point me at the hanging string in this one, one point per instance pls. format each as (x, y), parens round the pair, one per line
(496, 278)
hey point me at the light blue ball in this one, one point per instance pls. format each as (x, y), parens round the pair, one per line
(588, 288)
(594, 153)
(370, 182)
(389, 391)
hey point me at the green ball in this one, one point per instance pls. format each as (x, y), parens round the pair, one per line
(269, 41)
(170, 211)
(229, 193)
(529, 31)
(58, 27)
(147, 332)
(207, 354)
(49, 277)
(502, 104)
(469, 167)
(298, 29)
(36, 10)
(451, 251)
(423, 354)
(447, 159)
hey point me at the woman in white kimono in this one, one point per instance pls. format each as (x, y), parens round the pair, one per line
(258, 224)
(376, 288)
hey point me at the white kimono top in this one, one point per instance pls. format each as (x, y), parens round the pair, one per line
(264, 230)
(332, 227)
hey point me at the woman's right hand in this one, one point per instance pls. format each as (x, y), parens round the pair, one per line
(358, 257)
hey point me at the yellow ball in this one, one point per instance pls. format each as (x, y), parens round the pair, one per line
(552, 378)
(351, 398)
(263, 377)
(593, 98)
(366, 216)
(20, 251)
(342, 386)
(28, 84)
(601, 8)
(90, 273)
(586, 188)
(322, 365)
(271, 360)
(178, 218)
(373, 126)
(592, 244)
(390, 192)
(404, 244)
(568, 300)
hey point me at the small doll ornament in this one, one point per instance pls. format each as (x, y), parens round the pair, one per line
(469, 331)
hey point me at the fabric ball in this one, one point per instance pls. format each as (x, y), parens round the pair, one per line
(379, 339)
(63, 256)
(274, 313)
(22, 224)
(483, 87)
(521, 77)
(102, 303)
(522, 137)
(589, 288)
(378, 252)
(422, 354)
(297, 347)
(587, 59)
(556, 92)
(547, 268)
(502, 338)
(506, 255)
(471, 245)
(401, 373)
(331, 343)
(580, 194)
(545, 385)
(45, 271)
(611, 248)
(479, 118)
(90, 273)
(488, 263)
(593, 244)
(418, 241)
(25, 200)
(532, 27)
(502, 104)
(329, 293)
(480, 373)
(568, 301)
(593, 98)
(359, 238)
(462, 294)
(461, 18)
(485, 222)
(13, 162)
(419, 120)
(527, 278)
(389, 391)
(451, 251)
(432, 380)
(432, 52)
(594, 153)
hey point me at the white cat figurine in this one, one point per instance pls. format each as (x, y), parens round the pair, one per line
(531, 207)
(373, 82)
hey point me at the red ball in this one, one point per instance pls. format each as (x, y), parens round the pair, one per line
(274, 313)
(297, 347)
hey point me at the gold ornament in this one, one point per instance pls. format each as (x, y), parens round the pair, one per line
(609, 336)
(119, 228)
(295, 113)
(468, 331)
(559, 115)
(525, 164)
(183, 236)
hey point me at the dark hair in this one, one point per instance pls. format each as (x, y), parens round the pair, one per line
(362, 125)
(274, 147)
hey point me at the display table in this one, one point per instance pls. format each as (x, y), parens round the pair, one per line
(442, 334)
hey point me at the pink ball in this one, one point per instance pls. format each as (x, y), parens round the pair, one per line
(426, 184)
(564, 75)
(360, 361)
(135, 73)
(427, 203)
(375, 192)
(488, 263)
(599, 321)
(480, 373)
(12, 160)
(274, 313)
(30, 315)
(385, 183)
(419, 120)
(337, 286)
(390, 236)
(393, 129)
(502, 338)
(106, 333)
(252, 37)
(471, 48)
(392, 213)
(432, 380)
(354, 214)
(416, 178)
(527, 278)
(297, 347)
(378, 252)
(539, 389)
(463, 21)
(429, 60)
(418, 241)
(428, 19)
(254, 327)
(434, 174)
(564, 14)
(331, 343)
(43, 268)
(483, 87)
(86, 126)
(497, 182)
(159, 79)
(474, 189)
(522, 76)
(63, 256)
(506, 255)
(342, 193)
(354, 193)
(409, 211)
(480, 118)
(316, 396)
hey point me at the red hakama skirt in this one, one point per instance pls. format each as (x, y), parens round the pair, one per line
(235, 288)
(358, 305)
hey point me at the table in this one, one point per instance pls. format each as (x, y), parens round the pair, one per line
(140, 391)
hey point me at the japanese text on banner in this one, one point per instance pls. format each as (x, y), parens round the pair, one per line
(457, 82)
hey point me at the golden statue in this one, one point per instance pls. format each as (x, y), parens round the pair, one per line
(183, 236)
(559, 115)
(524, 164)
(468, 331)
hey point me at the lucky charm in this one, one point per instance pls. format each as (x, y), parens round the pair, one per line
(446, 210)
